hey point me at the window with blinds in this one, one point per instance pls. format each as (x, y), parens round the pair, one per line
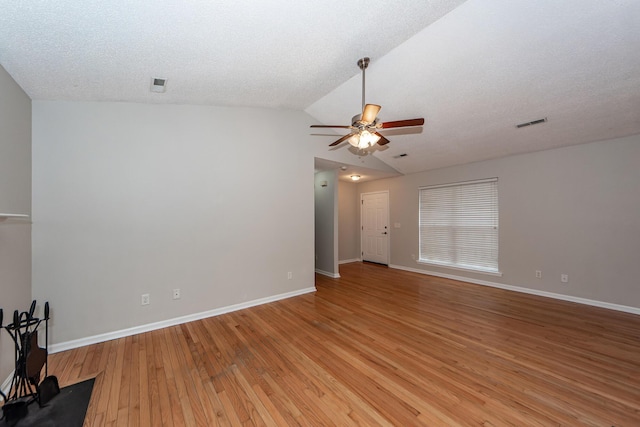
(459, 225)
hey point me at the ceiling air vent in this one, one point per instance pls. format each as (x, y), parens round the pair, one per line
(535, 122)
(158, 85)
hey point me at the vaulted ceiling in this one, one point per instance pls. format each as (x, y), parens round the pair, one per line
(473, 70)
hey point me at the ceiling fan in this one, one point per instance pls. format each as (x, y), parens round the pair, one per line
(364, 127)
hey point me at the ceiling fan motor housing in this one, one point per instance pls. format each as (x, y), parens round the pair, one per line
(356, 122)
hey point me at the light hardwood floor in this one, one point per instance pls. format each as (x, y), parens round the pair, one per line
(375, 347)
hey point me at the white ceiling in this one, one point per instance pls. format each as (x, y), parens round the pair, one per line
(472, 69)
(260, 53)
(489, 65)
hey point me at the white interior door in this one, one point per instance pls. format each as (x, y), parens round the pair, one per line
(374, 218)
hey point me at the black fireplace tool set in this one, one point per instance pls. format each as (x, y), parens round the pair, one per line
(26, 387)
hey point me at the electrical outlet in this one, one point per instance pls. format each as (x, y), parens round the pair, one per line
(564, 278)
(176, 293)
(538, 274)
(146, 300)
(289, 275)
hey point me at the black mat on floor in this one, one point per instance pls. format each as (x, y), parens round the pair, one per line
(67, 409)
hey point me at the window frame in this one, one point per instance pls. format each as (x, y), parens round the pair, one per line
(454, 251)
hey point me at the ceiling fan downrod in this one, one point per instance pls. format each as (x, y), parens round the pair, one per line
(363, 63)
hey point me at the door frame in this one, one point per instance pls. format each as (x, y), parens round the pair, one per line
(388, 224)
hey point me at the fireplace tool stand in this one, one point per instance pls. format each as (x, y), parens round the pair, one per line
(26, 387)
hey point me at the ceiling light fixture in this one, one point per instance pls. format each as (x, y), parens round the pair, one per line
(364, 139)
(355, 177)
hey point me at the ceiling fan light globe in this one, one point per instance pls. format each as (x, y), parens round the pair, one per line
(354, 140)
(367, 139)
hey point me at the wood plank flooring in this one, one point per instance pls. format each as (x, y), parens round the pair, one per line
(375, 347)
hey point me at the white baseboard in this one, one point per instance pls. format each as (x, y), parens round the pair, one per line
(595, 303)
(68, 345)
(347, 261)
(326, 273)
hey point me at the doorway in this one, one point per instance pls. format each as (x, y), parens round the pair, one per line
(374, 220)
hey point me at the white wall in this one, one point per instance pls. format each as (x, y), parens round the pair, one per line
(326, 223)
(131, 199)
(15, 197)
(348, 222)
(574, 210)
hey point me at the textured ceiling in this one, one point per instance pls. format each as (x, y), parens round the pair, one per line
(267, 53)
(472, 69)
(489, 65)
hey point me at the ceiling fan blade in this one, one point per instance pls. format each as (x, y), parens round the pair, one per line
(330, 126)
(370, 112)
(382, 140)
(402, 123)
(341, 139)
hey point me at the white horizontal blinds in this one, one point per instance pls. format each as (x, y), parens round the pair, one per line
(459, 224)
